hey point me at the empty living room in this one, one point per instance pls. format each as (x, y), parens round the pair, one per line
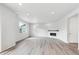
(39, 28)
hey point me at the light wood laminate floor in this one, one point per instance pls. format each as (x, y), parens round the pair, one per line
(42, 46)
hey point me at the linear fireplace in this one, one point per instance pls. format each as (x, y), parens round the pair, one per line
(52, 34)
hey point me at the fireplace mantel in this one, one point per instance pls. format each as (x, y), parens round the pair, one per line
(53, 30)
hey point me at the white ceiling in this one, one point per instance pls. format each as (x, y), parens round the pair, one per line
(42, 12)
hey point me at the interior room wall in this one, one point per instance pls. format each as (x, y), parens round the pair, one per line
(0, 33)
(41, 29)
(62, 27)
(38, 30)
(9, 31)
(78, 31)
(8, 27)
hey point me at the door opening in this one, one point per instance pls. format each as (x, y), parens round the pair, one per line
(73, 29)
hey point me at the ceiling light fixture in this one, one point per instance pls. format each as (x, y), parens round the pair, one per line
(52, 12)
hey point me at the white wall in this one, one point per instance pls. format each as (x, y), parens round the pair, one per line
(62, 27)
(41, 29)
(0, 32)
(38, 30)
(9, 26)
(78, 31)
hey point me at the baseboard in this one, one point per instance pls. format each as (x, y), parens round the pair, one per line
(2, 50)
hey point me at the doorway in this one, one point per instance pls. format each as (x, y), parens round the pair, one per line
(73, 29)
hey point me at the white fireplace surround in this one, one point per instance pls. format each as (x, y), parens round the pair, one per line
(52, 35)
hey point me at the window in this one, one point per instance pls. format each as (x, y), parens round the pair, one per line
(22, 27)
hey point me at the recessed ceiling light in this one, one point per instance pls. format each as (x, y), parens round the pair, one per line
(52, 12)
(20, 4)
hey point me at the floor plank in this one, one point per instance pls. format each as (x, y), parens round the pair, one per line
(42, 46)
